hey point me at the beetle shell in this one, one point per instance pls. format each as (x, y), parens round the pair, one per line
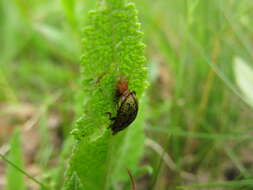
(126, 113)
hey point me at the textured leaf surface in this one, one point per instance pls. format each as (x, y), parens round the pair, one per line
(112, 48)
(73, 183)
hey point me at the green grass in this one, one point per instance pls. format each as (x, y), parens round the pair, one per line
(194, 108)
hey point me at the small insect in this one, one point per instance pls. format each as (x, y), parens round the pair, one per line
(127, 107)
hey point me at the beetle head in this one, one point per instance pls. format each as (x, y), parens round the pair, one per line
(122, 86)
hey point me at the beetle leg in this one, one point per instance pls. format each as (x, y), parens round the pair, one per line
(110, 116)
(100, 77)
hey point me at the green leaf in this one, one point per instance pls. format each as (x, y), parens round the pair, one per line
(244, 79)
(112, 48)
(74, 183)
(15, 179)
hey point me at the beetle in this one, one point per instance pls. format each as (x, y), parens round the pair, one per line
(127, 107)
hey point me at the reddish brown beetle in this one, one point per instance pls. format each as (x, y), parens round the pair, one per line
(127, 107)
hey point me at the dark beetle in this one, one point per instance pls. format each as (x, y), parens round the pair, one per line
(127, 107)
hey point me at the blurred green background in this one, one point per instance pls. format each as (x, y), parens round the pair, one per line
(198, 104)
